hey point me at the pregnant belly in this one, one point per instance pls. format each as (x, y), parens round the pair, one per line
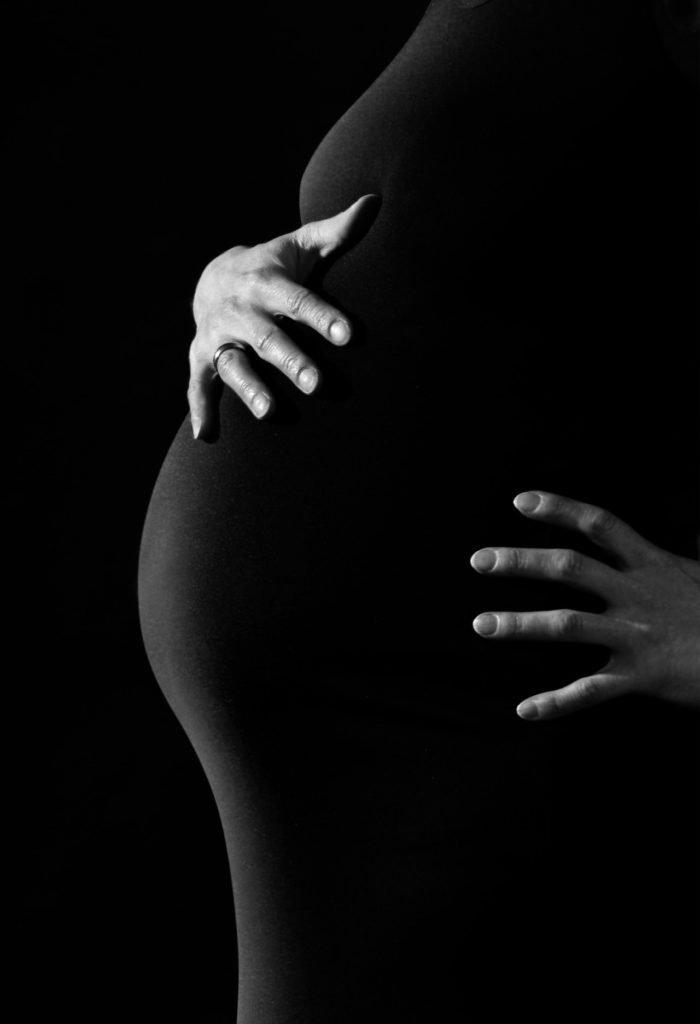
(331, 526)
(333, 541)
(342, 528)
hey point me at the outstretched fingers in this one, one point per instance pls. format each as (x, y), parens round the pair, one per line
(576, 696)
(234, 369)
(598, 524)
(242, 296)
(556, 564)
(271, 344)
(303, 305)
(562, 624)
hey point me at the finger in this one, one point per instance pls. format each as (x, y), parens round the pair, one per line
(598, 524)
(345, 228)
(291, 299)
(270, 342)
(690, 567)
(563, 625)
(558, 564)
(202, 397)
(235, 371)
(576, 696)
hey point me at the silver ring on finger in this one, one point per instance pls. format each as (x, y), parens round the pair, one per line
(220, 351)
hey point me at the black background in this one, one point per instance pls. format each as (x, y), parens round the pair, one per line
(146, 140)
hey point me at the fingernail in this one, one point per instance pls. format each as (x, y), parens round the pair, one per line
(196, 426)
(339, 331)
(308, 379)
(261, 403)
(483, 561)
(528, 710)
(486, 624)
(528, 501)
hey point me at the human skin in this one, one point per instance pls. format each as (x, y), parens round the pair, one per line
(651, 624)
(243, 294)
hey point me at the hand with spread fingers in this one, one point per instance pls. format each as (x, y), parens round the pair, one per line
(242, 296)
(651, 624)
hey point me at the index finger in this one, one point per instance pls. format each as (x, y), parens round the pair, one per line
(602, 527)
(299, 303)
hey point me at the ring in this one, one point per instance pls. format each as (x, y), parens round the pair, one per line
(221, 349)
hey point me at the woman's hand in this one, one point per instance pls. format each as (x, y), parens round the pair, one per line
(241, 296)
(651, 625)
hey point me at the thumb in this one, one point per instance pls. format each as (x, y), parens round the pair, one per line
(343, 229)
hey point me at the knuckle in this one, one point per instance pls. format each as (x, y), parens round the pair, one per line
(292, 364)
(265, 341)
(588, 690)
(560, 703)
(260, 278)
(600, 523)
(512, 625)
(567, 624)
(321, 318)
(297, 301)
(247, 392)
(235, 303)
(253, 279)
(567, 563)
(509, 560)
